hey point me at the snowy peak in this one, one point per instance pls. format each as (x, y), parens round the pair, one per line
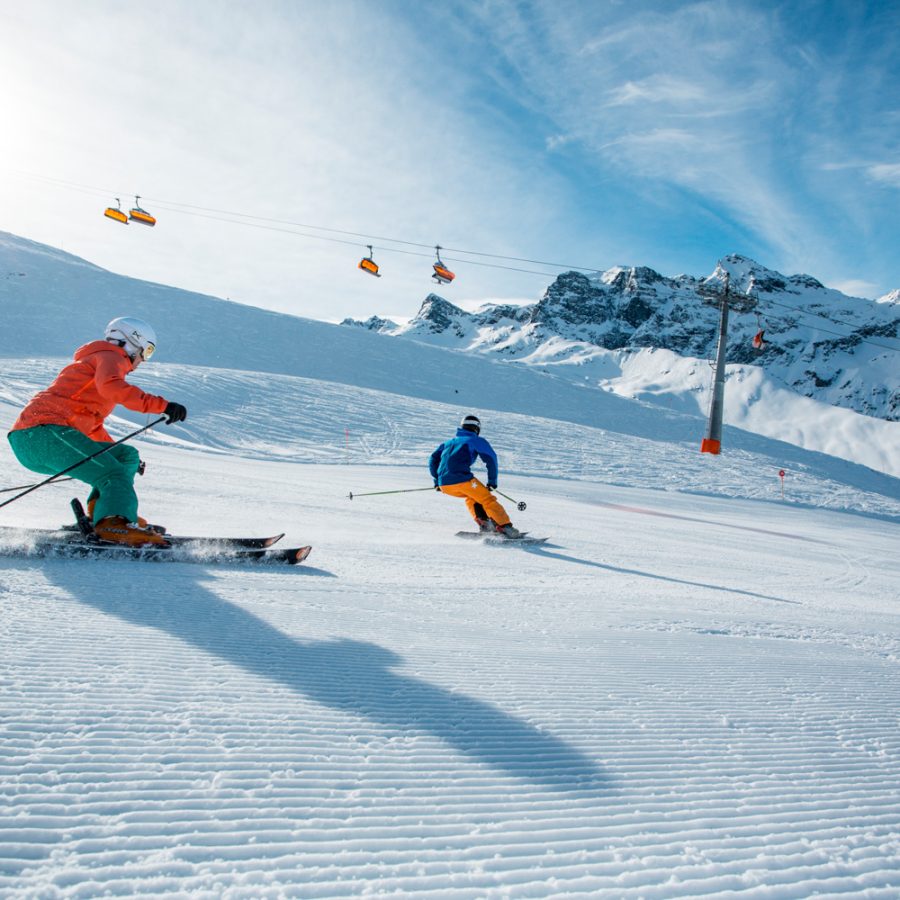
(435, 317)
(438, 314)
(747, 276)
(373, 323)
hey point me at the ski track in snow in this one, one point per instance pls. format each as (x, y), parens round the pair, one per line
(681, 695)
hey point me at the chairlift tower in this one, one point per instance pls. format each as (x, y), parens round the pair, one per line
(722, 297)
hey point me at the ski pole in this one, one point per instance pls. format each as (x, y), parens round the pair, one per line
(20, 487)
(375, 493)
(81, 462)
(521, 505)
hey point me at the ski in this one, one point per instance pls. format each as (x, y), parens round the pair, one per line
(85, 529)
(493, 537)
(250, 543)
(79, 540)
(192, 552)
(72, 534)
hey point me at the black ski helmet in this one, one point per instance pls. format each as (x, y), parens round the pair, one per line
(471, 423)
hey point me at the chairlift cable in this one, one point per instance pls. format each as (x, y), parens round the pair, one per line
(808, 313)
(239, 218)
(800, 312)
(318, 237)
(174, 206)
(177, 206)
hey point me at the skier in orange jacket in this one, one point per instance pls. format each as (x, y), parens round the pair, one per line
(65, 423)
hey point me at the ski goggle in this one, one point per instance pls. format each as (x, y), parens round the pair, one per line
(148, 351)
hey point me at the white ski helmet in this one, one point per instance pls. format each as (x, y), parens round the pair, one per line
(135, 335)
(471, 423)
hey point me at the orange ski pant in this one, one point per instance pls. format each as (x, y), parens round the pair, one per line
(474, 492)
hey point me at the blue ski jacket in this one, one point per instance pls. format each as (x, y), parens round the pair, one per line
(451, 462)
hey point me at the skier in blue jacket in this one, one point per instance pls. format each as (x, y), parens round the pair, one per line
(451, 468)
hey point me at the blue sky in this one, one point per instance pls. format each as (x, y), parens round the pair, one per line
(585, 133)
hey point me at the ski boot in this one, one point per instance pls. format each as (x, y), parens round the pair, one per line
(509, 531)
(159, 529)
(117, 530)
(486, 526)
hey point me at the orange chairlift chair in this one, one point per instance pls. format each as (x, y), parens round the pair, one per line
(442, 275)
(115, 213)
(759, 339)
(367, 264)
(141, 215)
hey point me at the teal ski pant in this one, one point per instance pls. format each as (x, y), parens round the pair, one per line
(51, 448)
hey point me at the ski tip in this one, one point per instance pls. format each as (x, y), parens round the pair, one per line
(299, 554)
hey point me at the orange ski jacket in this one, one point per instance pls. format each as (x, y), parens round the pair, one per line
(86, 391)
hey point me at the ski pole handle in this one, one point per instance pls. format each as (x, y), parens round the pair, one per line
(81, 462)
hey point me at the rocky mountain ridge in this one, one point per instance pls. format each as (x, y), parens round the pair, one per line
(818, 341)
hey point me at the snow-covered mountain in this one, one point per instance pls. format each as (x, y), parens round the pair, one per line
(817, 341)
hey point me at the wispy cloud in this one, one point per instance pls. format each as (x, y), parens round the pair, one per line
(660, 89)
(558, 141)
(887, 173)
(675, 95)
(730, 100)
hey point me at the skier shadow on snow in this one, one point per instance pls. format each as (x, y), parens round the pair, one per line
(355, 677)
(545, 550)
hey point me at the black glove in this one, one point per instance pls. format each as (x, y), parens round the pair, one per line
(492, 487)
(437, 487)
(175, 412)
(142, 467)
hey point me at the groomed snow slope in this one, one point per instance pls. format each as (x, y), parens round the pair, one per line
(680, 695)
